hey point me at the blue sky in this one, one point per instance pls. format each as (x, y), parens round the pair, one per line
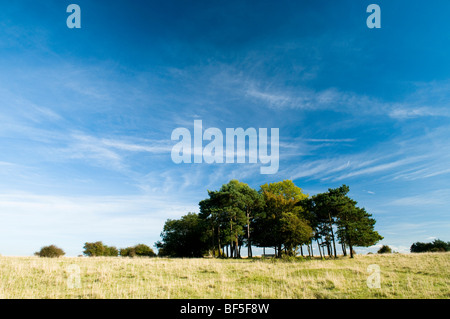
(86, 115)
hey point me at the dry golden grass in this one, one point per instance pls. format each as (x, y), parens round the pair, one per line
(402, 276)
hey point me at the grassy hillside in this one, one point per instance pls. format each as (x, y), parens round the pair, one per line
(402, 276)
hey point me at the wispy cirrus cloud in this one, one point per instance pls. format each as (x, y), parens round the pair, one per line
(330, 140)
(110, 152)
(426, 100)
(433, 198)
(380, 167)
(403, 112)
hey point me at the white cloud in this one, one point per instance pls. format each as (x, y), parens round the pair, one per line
(37, 220)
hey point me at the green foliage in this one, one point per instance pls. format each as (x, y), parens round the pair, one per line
(279, 215)
(228, 213)
(97, 249)
(385, 249)
(139, 250)
(282, 223)
(436, 246)
(356, 228)
(183, 237)
(51, 251)
(334, 209)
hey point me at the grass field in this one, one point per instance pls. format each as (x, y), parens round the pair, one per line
(424, 275)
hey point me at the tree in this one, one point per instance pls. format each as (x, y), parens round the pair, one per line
(385, 249)
(210, 213)
(229, 213)
(127, 252)
(435, 246)
(439, 245)
(295, 231)
(281, 225)
(94, 249)
(326, 208)
(356, 228)
(144, 251)
(139, 250)
(98, 249)
(334, 209)
(51, 251)
(251, 203)
(232, 209)
(111, 251)
(184, 237)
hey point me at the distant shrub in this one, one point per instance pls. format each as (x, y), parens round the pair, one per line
(127, 252)
(111, 251)
(50, 251)
(98, 249)
(144, 250)
(385, 249)
(138, 250)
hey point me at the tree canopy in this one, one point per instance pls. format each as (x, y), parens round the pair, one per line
(436, 245)
(97, 249)
(183, 237)
(278, 215)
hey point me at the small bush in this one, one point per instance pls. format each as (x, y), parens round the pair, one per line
(138, 250)
(50, 251)
(385, 249)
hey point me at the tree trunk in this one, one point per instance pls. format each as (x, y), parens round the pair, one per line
(332, 235)
(249, 244)
(231, 241)
(351, 249)
(301, 250)
(318, 245)
(344, 249)
(238, 252)
(213, 244)
(328, 248)
(218, 242)
(323, 248)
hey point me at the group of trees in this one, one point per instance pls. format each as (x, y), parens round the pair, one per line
(278, 215)
(436, 246)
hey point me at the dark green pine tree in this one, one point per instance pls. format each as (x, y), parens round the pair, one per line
(356, 228)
